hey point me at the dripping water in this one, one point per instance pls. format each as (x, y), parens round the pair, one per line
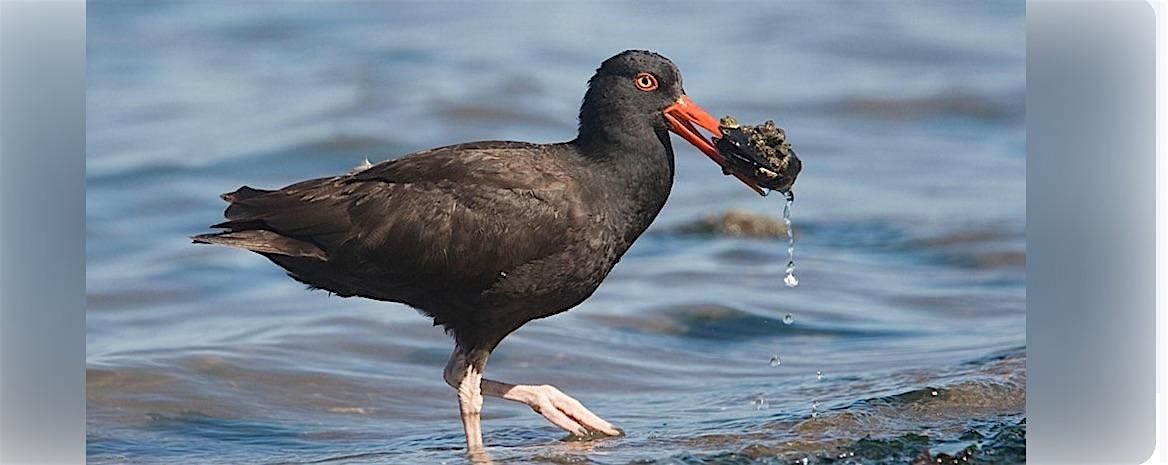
(790, 280)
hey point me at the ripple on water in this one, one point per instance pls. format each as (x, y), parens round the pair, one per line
(979, 409)
(718, 323)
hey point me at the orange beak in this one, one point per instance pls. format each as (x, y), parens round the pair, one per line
(683, 115)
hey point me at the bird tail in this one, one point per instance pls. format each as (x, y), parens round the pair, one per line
(262, 241)
(252, 235)
(243, 193)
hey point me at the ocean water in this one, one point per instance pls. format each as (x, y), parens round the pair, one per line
(907, 329)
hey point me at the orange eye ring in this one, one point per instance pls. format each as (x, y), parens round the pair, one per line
(645, 81)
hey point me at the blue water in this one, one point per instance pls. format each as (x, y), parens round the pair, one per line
(909, 119)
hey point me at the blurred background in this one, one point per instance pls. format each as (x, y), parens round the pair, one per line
(906, 333)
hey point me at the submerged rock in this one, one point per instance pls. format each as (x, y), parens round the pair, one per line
(739, 223)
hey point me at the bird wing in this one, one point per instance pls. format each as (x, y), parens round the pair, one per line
(463, 214)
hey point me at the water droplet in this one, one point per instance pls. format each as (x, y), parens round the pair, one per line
(814, 409)
(790, 280)
(818, 375)
(775, 360)
(761, 403)
(934, 393)
(788, 319)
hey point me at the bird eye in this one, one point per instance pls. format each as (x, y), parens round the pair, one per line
(645, 82)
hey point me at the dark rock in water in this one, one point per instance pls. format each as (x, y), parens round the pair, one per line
(737, 223)
(906, 445)
(923, 459)
(1005, 446)
(760, 153)
(961, 458)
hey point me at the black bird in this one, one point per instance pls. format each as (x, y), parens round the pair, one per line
(486, 236)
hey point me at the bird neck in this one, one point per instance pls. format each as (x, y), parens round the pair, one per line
(634, 167)
(631, 141)
(631, 153)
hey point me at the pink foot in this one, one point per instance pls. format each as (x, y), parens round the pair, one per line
(562, 410)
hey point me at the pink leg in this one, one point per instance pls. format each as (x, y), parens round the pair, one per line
(558, 408)
(463, 376)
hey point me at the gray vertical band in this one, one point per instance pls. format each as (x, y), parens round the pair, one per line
(42, 232)
(1090, 232)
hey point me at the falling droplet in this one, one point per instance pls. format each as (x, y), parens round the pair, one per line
(761, 403)
(790, 280)
(814, 409)
(788, 319)
(818, 375)
(775, 360)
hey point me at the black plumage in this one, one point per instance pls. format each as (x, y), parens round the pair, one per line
(485, 236)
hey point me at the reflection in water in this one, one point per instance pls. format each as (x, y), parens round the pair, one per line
(911, 236)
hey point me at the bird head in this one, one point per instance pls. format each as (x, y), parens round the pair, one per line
(642, 86)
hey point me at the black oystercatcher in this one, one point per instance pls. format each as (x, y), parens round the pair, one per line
(486, 236)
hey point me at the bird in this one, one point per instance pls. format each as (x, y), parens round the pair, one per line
(484, 237)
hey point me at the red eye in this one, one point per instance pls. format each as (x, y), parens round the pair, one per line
(645, 82)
